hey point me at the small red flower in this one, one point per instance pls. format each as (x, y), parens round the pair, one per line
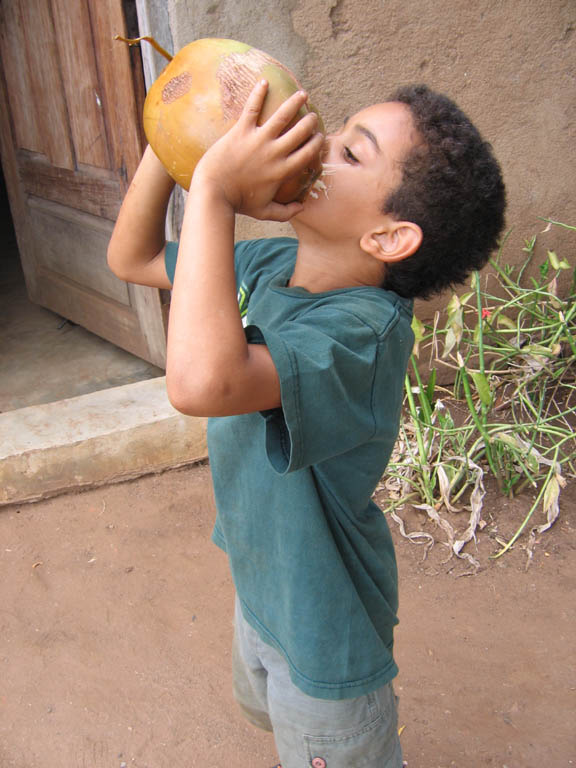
(486, 313)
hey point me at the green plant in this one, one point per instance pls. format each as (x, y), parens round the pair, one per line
(509, 413)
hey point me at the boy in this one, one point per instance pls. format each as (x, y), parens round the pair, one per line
(307, 377)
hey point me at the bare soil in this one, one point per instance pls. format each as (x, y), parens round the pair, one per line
(115, 632)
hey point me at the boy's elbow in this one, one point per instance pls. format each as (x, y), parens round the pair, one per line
(114, 261)
(123, 271)
(200, 397)
(140, 269)
(120, 260)
(184, 402)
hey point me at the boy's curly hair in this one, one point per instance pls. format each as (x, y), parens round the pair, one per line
(452, 188)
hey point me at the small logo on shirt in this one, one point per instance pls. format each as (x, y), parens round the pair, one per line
(243, 298)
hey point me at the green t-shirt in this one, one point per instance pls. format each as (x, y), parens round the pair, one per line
(310, 553)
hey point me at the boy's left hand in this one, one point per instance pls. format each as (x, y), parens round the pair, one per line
(250, 162)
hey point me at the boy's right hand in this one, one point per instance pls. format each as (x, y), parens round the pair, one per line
(247, 166)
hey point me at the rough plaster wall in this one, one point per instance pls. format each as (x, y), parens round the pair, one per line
(265, 25)
(511, 65)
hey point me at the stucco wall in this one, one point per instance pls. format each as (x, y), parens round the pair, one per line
(510, 64)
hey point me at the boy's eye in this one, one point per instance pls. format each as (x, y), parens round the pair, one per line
(349, 156)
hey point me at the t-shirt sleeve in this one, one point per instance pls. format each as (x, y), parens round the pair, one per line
(243, 254)
(331, 388)
(170, 259)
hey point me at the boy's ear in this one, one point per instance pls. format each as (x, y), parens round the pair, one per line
(392, 242)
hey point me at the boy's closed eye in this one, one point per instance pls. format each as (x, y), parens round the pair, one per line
(349, 156)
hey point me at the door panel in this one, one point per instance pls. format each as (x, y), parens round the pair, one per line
(80, 82)
(60, 229)
(90, 189)
(45, 103)
(17, 72)
(70, 124)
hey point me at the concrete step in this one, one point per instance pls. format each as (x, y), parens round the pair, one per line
(103, 437)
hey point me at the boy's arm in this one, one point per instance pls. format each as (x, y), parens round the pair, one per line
(211, 369)
(136, 249)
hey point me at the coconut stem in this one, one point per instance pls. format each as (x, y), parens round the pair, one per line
(153, 43)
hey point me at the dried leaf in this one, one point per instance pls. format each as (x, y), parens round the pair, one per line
(550, 502)
(445, 488)
(551, 507)
(552, 288)
(476, 505)
(414, 536)
(440, 521)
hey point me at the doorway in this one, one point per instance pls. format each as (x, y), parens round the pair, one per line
(44, 357)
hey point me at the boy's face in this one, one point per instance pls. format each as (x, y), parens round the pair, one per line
(363, 164)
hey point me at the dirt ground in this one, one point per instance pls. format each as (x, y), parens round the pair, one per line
(115, 632)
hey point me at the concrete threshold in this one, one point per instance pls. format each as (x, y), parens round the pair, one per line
(104, 437)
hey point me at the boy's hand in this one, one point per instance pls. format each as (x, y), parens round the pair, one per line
(250, 162)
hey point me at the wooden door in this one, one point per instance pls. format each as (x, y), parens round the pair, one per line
(70, 115)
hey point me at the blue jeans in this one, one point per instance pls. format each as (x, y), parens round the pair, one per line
(309, 732)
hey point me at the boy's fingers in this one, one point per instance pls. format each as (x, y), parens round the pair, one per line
(305, 155)
(255, 101)
(285, 113)
(299, 133)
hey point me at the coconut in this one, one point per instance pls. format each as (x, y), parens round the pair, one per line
(201, 94)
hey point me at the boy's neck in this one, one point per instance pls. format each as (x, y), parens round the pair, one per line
(327, 266)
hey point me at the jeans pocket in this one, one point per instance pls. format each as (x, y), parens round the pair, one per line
(373, 745)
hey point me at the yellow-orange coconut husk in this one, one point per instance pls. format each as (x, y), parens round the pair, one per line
(200, 95)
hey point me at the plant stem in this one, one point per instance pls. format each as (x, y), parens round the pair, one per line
(560, 224)
(480, 426)
(480, 328)
(423, 456)
(153, 43)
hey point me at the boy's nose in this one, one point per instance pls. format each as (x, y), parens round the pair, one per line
(325, 151)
